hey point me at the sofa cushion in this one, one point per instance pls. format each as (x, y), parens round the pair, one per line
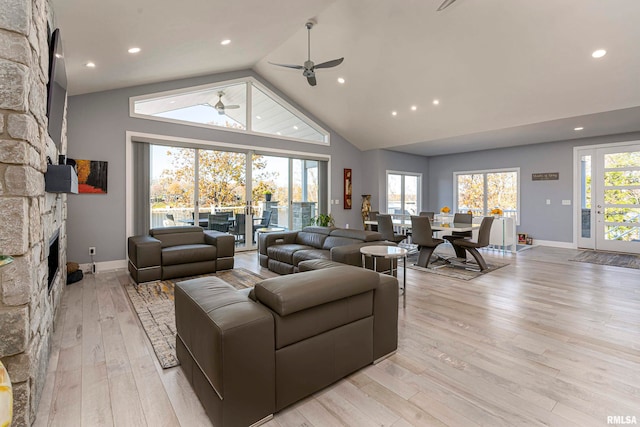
(306, 254)
(284, 253)
(333, 241)
(317, 264)
(363, 235)
(185, 254)
(289, 294)
(315, 240)
(172, 236)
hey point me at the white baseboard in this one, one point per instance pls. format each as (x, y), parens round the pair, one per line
(554, 244)
(104, 266)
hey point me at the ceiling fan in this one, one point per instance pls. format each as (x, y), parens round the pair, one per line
(220, 107)
(309, 68)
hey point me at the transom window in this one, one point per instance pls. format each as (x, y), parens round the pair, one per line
(482, 191)
(239, 106)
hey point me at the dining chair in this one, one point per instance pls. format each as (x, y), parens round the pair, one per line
(423, 237)
(462, 218)
(385, 227)
(428, 214)
(484, 233)
(373, 216)
(170, 221)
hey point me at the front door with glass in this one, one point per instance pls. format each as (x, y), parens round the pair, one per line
(609, 215)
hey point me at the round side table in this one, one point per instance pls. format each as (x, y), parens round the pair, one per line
(388, 252)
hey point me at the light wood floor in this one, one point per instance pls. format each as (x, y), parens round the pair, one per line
(543, 341)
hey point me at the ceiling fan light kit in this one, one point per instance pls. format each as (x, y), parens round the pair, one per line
(220, 107)
(309, 67)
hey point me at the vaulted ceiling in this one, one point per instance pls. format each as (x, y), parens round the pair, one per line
(504, 72)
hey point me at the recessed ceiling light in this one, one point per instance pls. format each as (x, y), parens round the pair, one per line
(278, 133)
(134, 50)
(578, 128)
(394, 113)
(90, 65)
(225, 42)
(341, 80)
(599, 53)
(436, 102)
(259, 117)
(295, 127)
(414, 108)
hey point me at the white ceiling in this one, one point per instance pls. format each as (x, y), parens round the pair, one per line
(506, 72)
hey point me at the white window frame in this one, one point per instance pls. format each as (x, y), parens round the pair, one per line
(402, 196)
(484, 172)
(250, 81)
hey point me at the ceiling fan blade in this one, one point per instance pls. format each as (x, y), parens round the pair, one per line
(297, 67)
(330, 64)
(231, 107)
(312, 80)
(445, 4)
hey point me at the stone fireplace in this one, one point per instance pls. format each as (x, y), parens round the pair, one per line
(30, 218)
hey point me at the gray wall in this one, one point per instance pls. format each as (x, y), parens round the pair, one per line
(97, 124)
(552, 222)
(380, 161)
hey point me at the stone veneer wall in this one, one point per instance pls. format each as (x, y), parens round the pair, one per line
(28, 215)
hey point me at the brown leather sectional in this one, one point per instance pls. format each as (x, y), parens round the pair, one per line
(170, 252)
(283, 251)
(250, 354)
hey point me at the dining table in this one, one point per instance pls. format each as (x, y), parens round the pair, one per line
(435, 226)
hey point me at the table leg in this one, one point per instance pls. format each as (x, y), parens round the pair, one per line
(364, 261)
(404, 283)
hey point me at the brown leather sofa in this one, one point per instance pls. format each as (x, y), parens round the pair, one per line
(282, 252)
(248, 355)
(170, 252)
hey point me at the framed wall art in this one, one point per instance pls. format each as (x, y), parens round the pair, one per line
(347, 188)
(92, 176)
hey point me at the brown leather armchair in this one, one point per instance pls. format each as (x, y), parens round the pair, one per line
(248, 355)
(170, 252)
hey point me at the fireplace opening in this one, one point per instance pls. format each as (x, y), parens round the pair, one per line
(53, 258)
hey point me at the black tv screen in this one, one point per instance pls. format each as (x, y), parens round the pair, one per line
(56, 89)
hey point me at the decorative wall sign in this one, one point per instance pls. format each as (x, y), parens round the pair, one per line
(92, 176)
(347, 188)
(545, 176)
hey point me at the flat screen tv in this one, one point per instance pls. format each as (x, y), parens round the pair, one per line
(56, 89)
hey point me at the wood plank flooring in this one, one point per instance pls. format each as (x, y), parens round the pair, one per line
(543, 341)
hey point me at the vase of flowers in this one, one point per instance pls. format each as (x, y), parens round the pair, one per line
(497, 212)
(445, 210)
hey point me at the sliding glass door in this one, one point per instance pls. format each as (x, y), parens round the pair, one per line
(233, 192)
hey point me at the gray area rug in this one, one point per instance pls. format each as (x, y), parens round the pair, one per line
(454, 271)
(609, 258)
(154, 305)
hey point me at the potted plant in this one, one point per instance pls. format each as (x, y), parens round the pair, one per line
(323, 220)
(267, 195)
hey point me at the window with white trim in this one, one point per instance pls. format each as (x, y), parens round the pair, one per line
(239, 106)
(403, 193)
(482, 191)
